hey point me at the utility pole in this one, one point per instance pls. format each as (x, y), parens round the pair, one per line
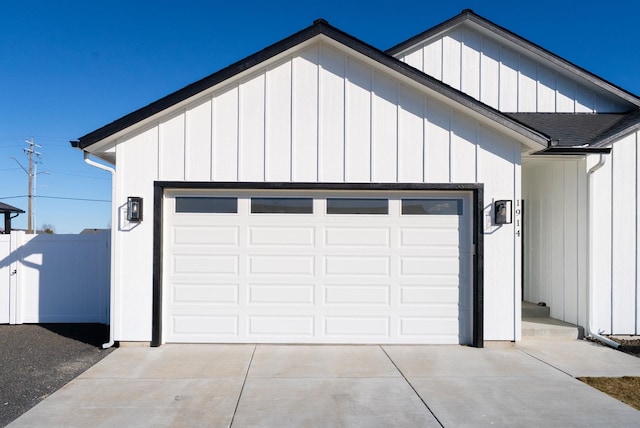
(30, 151)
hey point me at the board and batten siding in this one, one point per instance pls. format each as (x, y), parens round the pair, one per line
(555, 235)
(503, 78)
(615, 235)
(317, 116)
(555, 239)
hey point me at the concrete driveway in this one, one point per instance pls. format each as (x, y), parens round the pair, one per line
(528, 385)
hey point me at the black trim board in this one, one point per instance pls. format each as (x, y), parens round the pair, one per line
(477, 191)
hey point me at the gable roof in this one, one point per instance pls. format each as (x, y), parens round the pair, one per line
(467, 16)
(320, 27)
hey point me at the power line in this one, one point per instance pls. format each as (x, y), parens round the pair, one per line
(57, 197)
(77, 175)
(74, 199)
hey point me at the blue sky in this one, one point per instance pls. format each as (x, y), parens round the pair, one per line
(70, 67)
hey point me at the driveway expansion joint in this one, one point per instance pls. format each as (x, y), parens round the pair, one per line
(244, 382)
(411, 386)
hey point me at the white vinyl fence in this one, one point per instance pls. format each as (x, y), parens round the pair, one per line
(54, 278)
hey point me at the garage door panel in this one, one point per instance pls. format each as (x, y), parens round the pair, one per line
(347, 294)
(208, 293)
(279, 326)
(430, 328)
(279, 294)
(206, 235)
(349, 237)
(431, 237)
(315, 278)
(350, 265)
(197, 264)
(429, 266)
(356, 326)
(206, 325)
(282, 236)
(281, 265)
(431, 280)
(428, 294)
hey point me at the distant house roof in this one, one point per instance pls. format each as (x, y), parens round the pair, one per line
(4, 208)
(92, 231)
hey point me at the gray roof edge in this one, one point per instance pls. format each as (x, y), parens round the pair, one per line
(469, 15)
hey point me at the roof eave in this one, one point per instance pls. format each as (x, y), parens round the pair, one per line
(573, 151)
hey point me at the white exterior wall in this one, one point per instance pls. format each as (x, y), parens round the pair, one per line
(556, 258)
(555, 238)
(615, 239)
(503, 78)
(317, 116)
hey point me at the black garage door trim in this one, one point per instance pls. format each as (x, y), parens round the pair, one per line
(476, 189)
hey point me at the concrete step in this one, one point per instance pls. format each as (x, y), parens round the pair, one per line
(549, 328)
(531, 310)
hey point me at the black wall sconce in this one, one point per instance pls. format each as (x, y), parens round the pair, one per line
(502, 212)
(134, 209)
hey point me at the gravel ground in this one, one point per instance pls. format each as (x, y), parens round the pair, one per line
(37, 360)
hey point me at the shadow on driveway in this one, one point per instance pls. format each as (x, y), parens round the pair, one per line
(37, 360)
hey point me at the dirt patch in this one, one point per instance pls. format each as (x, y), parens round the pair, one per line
(625, 389)
(628, 345)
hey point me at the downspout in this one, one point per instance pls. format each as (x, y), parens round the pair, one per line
(111, 342)
(590, 330)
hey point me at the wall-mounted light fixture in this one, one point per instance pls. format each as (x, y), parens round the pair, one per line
(134, 209)
(502, 212)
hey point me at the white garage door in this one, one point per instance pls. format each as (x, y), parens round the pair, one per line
(312, 267)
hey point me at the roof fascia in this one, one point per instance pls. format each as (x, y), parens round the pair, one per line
(521, 44)
(328, 34)
(573, 151)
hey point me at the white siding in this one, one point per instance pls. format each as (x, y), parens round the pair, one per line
(601, 243)
(137, 159)
(498, 162)
(331, 115)
(198, 142)
(318, 115)
(278, 123)
(556, 254)
(304, 123)
(172, 148)
(554, 234)
(358, 122)
(624, 247)
(251, 126)
(496, 74)
(224, 150)
(384, 138)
